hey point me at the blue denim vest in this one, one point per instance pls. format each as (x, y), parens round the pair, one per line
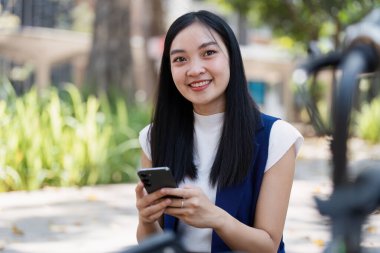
(240, 200)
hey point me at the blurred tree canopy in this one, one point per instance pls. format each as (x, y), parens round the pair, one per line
(242, 7)
(310, 19)
(303, 20)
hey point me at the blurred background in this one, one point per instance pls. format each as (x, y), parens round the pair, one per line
(77, 83)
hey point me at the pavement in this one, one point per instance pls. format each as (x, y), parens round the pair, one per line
(103, 218)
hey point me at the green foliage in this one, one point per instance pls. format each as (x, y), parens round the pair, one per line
(316, 91)
(308, 20)
(303, 21)
(83, 17)
(241, 6)
(57, 138)
(368, 122)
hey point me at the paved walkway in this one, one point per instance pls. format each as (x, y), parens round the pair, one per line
(103, 218)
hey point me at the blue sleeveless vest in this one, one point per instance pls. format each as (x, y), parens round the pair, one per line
(240, 200)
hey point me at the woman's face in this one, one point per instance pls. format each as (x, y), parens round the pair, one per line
(200, 68)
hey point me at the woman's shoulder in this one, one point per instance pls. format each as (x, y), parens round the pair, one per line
(284, 133)
(267, 119)
(278, 123)
(282, 136)
(145, 130)
(144, 134)
(284, 126)
(145, 141)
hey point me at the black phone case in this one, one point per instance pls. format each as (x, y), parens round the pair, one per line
(156, 178)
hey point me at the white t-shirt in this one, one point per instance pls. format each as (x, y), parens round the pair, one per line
(207, 131)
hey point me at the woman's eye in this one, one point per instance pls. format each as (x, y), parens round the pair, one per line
(179, 59)
(209, 52)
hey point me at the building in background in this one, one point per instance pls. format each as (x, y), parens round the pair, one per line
(42, 47)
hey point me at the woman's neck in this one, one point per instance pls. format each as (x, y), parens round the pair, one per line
(208, 110)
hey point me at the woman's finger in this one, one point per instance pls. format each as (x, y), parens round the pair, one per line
(139, 190)
(150, 210)
(156, 216)
(178, 192)
(177, 212)
(143, 199)
(177, 203)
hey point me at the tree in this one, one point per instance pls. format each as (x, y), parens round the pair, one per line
(242, 7)
(110, 61)
(305, 20)
(302, 20)
(118, 59)
(146, 27)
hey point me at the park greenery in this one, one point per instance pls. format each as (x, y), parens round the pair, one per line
(60, 138)
(297, 23)
(301, 21)
(365, 116)
(368, 121)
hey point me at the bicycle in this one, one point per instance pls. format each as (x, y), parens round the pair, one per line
(351, 200)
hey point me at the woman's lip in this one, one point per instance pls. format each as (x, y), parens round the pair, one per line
(199, 86)
(199, 83)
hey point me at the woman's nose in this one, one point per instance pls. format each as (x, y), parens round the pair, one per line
(196, 68)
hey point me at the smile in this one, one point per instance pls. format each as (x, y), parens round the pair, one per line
(199, 84)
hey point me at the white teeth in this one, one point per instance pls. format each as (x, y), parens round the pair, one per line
(199, 84)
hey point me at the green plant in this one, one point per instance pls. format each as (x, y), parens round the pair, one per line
(368, 121)
(57, 138)
(313, 95)
(123, 155)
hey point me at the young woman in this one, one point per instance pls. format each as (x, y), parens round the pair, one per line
(234, 165)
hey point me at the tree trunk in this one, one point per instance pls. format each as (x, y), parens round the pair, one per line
(156, 28)
(157, 19)
(243, 28)
(144, 27)
(110, 62)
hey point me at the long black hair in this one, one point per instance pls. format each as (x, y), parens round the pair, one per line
(172, 129)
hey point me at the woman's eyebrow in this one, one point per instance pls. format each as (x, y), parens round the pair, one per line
(207, 44)
(176, 51)
(203, 45)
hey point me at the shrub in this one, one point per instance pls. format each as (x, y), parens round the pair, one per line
(57, 138)
(368, 121)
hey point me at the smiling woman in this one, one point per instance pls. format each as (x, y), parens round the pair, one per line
(233, 164)
(200, 68)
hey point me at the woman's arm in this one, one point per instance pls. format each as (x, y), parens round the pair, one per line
(265, 234)
(150, 207)
(270, 215)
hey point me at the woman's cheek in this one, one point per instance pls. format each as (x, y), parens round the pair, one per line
(178, 76)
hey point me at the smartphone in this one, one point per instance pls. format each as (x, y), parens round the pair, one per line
(156, 178)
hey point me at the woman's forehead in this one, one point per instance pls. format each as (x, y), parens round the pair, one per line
(195, 35)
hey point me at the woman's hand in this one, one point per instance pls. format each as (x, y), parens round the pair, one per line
(150, 206)
(193, 207)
